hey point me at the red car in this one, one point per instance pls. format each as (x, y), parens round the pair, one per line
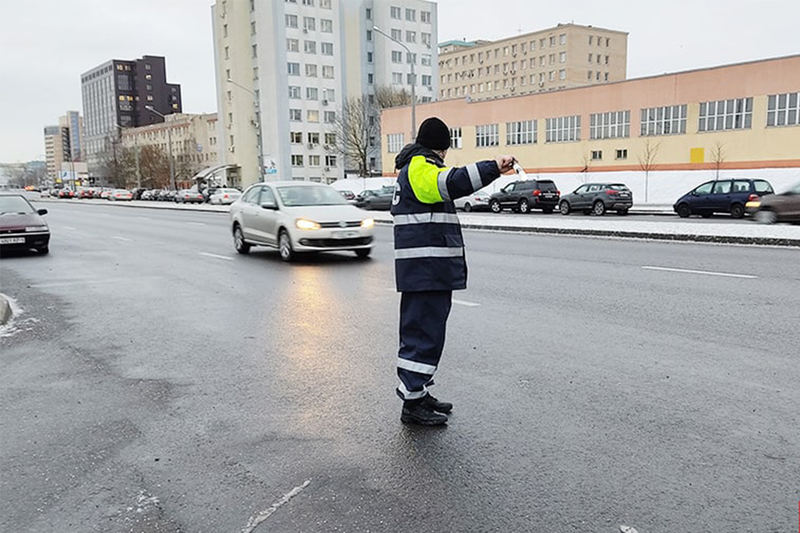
(66, 193)
(22, 226)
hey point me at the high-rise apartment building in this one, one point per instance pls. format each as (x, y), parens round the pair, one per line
(285, 68)
(116, 95)
(566, 56)
(64, 144)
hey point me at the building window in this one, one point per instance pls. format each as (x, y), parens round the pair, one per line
(309, 23)
(312, 93)
(294, 92)
(255, 50)
(308, 3)
(394, 12)
(394, 142)
(397, 57)
(563, 129)
(553, 40)
(325, 4)
(411, 36)
(311, 71)
(455, 138)
(369, 35)
(487, 135)
(669, 120)
(411, 15)
(397, 78)
(612, 125)
(326, 25)
(295, 115)
(562, 39)
(329, 117)
(313, 161)
(521, 132)
(622, 154)
(313, 138)
(735, 114)
(296, 137)
(330, 139)
(425, 16)
(294, 69)
(597, 155)
(368, 14)
(291, 21)
(591, 39)
(330, 160)
(327, 71)
(327, 49)
(425, 60)
(329, 95)
(783, 109)
(370, 78)
(397, 35)
(312, 115)
(426, 81)
(562, 57)
(426, 39)
(297, 160)
(310, 47)
(562, 74)
(292, 45)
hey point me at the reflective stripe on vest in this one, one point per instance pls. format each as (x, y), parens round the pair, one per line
(419, 368)
(441, 182)
(428, 251)
(474, 176)
(426, 218)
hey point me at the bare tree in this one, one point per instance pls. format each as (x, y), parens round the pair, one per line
(718, 157)
(154, 166)
(647, 162)
(587, 163)
(357, 128)
(387, 96)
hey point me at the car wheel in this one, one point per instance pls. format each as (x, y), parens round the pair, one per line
(467, 207)
(238, 240)
(523, 206)
(363, 253)
(285, 246)
(494, 205)
(766, 216)
(43, 250)
(622, 212)
(737, 210)
(599, 208)
(564, 207)
(684, 211)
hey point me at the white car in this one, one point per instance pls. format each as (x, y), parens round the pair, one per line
(224, 196)
(477, 201)
(297, 217)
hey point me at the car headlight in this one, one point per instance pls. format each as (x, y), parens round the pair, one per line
(35, 228)
(367, 223)
(303, 223)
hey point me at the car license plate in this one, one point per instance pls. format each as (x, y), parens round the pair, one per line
(344, 234)
(12, 240)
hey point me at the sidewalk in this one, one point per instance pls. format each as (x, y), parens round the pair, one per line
(608, 226)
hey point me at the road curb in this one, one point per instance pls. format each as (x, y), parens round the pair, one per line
(5, 311)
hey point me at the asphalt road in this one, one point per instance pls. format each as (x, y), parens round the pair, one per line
(157, 381)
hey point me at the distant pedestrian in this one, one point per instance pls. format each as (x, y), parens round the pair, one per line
(429, 259)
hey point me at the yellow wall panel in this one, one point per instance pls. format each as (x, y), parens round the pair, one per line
(697, 155)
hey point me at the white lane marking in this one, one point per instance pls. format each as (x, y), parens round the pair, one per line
(468, 304)
(197, 223)
(122, 239)
(704, 272)
(73, 282)
(263, 515)
(216, 256)
(143, 218)
(69, 227)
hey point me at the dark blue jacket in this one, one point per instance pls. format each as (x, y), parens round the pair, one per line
(428, 244)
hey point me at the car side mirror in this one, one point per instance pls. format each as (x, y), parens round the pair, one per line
(694, 193)
(270, 205)
(42, 211)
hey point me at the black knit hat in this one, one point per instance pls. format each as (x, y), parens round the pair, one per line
(434, 134)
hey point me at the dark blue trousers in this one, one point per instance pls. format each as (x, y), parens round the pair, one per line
(423, 322)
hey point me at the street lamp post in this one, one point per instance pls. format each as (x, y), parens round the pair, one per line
(413, 83)
(169, 141)
(259, 139)
(136, 152)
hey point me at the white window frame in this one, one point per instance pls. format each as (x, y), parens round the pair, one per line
(665, 120)
(395, 142)
(726, 115)
(563, 129)
(783, 110)
(456, 139)
(610, 125)
(522, 132)
(487, 135)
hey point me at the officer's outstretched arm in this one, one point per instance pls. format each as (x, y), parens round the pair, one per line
(432, 184)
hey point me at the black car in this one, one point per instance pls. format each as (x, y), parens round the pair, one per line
(522, 196)
(721, 196)
(597, 198)
(21, 226)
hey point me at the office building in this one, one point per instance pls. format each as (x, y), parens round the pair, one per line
(284, 70)
(116, 95)
(563, 57)
(64, 146)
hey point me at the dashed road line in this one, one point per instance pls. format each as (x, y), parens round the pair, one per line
(227, 258)
(263, 515)
(125, 239)
(703, 272)
(197, 223)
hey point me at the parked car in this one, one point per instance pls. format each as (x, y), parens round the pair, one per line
(597, 198)
(21, 226)
(477, 201)
(721, 196)
(348, 195)
(188, 196)
(120, 195)
(106, 193)
(85, 194)
(363, 195)
(66, 193)
(784, 207)
(522, 196)
(166, 195)
(224, 196)
(297, 217)
(381, 200)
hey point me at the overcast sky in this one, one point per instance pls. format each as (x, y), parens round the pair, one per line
(46, 44)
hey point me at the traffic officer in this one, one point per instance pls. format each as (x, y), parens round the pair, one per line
(429, 259)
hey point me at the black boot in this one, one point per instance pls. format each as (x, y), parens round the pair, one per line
(419, 412)
(436, 405)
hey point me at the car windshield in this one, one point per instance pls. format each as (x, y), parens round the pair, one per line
(295, 196)
(15, 204)
(547, 186)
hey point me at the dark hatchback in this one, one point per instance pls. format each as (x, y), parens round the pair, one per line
(522, 196)
(597, 198)
(721, 196)
(21, 226)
